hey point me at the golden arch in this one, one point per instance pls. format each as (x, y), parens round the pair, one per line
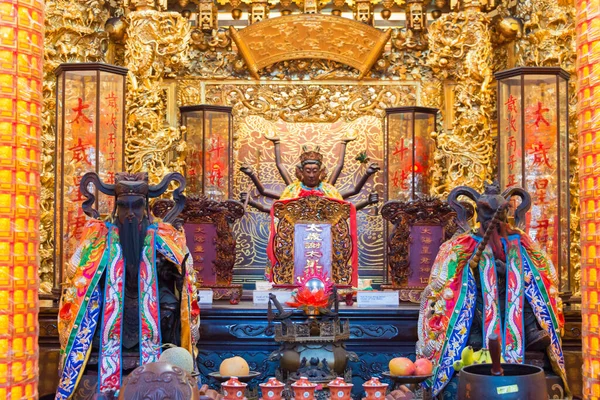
(300, 36)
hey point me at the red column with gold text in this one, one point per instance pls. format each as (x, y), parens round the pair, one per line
(21, 55)
(588, 75)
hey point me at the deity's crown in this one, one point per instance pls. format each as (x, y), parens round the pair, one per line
(128, 184)
(310, 156)
(491, 188)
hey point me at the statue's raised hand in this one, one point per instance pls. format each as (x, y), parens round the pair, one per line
(273, 139)
(247, 170)
(373, 167)
(373, 198)
(350, 137)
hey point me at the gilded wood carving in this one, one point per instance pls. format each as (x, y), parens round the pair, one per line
(312, 209)
(462, 47)
(310, 36)
(403, 215)
(201, 210)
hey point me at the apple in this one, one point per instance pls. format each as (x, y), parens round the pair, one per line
(423, 367)
(401, 366)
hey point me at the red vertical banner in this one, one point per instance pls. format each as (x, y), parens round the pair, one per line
(110, 138)
(541, 163)
(216, 145)
(400, 157)
(409, 151)
(509, 146)
(79, 155)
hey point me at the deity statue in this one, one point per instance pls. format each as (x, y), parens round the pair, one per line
(494, 279)
(310, 174)
(310, 179)
(130, 285)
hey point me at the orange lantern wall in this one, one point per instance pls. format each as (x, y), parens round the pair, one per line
(21, 55)
(588, 111)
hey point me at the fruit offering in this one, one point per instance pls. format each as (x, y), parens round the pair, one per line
(179, 357)
(234, 366)
(401, 366)
(469, 357)
(423, 367)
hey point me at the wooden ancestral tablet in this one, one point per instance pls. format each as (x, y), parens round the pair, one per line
(310, 36)
(312, 210)
(420, 227)
(209, 238)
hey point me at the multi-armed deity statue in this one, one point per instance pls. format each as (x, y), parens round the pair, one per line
(310, 214)
(130, 286)
(311, 179)
(493, 280)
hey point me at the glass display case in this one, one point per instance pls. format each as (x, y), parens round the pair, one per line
(208, 134)
(90, 133)
(408, 151)
(533, 153)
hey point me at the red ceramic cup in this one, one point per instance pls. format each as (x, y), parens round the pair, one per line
(304, 389)
(339, 389)
(272, 389)
(374, 389)
(233, 389)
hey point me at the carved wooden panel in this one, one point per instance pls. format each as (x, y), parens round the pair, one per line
(294, 37)
(424, 213)
(198, 211)
(312, 209)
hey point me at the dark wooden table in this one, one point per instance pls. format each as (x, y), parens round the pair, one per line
(377, 335)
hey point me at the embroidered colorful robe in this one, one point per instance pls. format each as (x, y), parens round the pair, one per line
(85, 308)
(449, 301)
(297, 190)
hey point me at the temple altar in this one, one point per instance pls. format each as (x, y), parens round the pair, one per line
(376, 335)
(409, 105)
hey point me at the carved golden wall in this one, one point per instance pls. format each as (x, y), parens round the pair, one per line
(447, 65)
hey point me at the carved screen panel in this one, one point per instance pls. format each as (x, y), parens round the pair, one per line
(317, 211)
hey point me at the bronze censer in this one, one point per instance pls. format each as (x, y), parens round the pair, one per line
(313, 348)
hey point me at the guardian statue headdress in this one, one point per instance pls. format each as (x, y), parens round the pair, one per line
(128, 184)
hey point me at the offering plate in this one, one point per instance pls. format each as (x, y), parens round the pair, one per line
(241, 378)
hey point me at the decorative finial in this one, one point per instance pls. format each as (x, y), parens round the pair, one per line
(491, 188)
